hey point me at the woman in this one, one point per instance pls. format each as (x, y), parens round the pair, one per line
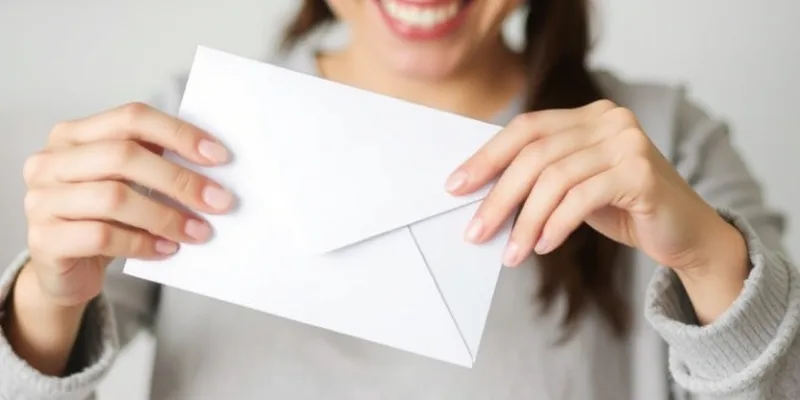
(590, 177)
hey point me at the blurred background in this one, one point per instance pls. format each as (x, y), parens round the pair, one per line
(67, 59)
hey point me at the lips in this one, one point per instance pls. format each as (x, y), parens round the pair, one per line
(420, 20)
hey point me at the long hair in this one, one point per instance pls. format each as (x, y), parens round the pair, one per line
(557, 41)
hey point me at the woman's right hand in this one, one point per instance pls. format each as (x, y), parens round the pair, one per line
(82, 210)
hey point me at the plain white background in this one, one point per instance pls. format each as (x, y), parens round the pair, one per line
(66, 59)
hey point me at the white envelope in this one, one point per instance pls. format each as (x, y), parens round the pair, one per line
(343, 221)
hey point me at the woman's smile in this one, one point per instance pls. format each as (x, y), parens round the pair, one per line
(423, 19)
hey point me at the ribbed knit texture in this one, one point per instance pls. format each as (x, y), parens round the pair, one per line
(98, 347)
(744, 353)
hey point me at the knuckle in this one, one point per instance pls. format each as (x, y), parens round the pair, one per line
(31, 202)
(113, 196)
(604, 104)
(525, 119)
(60, 129)
(122, 152)
(531, 155)
(547, 176)
(183, 131)
(554, 173)
(140, 243)
(169, 224)
(578, 195)
(532, 151)
(525, 154)
(99, 236)
(134, 111)
(636, 140)
(184, 181)
(621, 116)
(32, 167)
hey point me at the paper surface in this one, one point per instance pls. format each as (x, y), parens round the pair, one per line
(343, 222)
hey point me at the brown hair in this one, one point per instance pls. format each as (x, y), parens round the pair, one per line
(557, 41)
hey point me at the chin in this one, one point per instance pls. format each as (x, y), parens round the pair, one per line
(423, 64)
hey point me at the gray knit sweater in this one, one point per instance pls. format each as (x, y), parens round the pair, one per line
(208, 349)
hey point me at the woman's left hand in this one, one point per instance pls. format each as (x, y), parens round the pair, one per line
(592, 164)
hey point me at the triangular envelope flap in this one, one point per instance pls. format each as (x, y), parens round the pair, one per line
(347, 164)
(465, 274)
(344, 292)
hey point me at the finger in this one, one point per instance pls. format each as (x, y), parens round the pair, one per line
(581, 201)
(550, 189)
(114, 201)
(518, 179)
(129, 161)
(143, 123)
(497, 154)
(77, 239)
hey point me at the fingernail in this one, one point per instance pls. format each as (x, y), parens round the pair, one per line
(542, 246)
(166, 247)
(474, 230)
(456, 181)
(198, 230)
(212, 151)
(217, 198)
(511, 254)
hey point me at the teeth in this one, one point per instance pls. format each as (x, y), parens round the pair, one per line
(421, 16)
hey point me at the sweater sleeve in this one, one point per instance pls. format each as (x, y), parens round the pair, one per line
(751, 351)
(111, 320)
(91, 358)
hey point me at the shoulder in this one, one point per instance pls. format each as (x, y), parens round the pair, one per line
(656, 100)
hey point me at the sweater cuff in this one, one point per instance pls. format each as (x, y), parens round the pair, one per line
(743, 344)
(92, 356)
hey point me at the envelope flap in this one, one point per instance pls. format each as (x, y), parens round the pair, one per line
(359, 165)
